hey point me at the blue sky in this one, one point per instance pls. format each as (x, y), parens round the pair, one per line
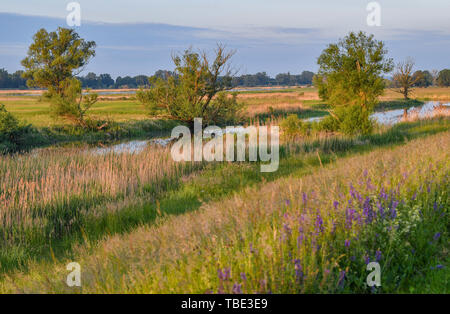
(137, 36)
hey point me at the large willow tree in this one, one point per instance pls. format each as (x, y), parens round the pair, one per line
(350, 79)
(351, 71)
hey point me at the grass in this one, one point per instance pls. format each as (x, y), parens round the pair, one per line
(45, 214)
(251, 238)
(143, 223)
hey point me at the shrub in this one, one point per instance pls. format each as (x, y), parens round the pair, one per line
(291, 126)
(71, 103)
(13, 134)
(351, 120)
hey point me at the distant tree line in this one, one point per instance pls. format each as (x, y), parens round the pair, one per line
(105, 81)
(262, 79)
(13, 80)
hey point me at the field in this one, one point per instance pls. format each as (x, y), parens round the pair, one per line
(142, 223)
(124, 108)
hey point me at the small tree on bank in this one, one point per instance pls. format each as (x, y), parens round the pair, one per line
(404, 78)
(350, 79)
(72, 104)
(53, 61)
(194, 90)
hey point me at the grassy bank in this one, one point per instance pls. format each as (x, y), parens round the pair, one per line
(59, 198)
(300, 233)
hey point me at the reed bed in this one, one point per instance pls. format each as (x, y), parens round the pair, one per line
(294, 235)
(50, 193)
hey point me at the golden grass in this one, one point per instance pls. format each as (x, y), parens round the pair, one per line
(183, 253)
(43, 178)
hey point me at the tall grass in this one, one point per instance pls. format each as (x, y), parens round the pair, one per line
(53, 194)
(310, 234)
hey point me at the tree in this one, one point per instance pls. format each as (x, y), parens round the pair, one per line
(350, 79)
(403, 77)
(444, 78)
(55, 57)
(350, 72)
(195, 90)
(72, 104)
(422, 78)
(435, 75)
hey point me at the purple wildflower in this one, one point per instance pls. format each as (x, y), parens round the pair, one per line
(298, 269)
(319, 224)
(378, 256)
(367, 210)
(237, 288)
(437, 236)
(243, 277)
(366, 259)
(335, 204)
(305, 198)
(287, 202)
(347, 243)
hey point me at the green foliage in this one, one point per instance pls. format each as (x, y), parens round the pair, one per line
(422, 78)
(350, 120)
(351, 71)
(291, 126)
(13, 134)
(444, 78)
(194, 90)
(55, 57)
(350, 79)
(71, 103)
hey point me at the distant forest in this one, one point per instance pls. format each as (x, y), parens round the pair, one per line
(105, 81)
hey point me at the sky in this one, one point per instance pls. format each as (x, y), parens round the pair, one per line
(138, 37)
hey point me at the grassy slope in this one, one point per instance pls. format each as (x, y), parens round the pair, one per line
(219, 181)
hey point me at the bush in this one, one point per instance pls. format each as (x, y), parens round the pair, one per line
(72, 104)
(13, 134)
(350, 120)
(291, 126)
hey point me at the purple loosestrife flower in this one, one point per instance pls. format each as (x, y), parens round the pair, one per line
(335, 204)
(347, 243)
(319, 224)
(237, 288)
(352, 191)
(437, 236)
(298, 269)
(380, 209)
(378, 256)
(393, 209)
(366, 259)
(243, 277)
(287, 202)
(300, 240)
(349, 215)
(367, 210)
(383, 194)
(305, 198)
